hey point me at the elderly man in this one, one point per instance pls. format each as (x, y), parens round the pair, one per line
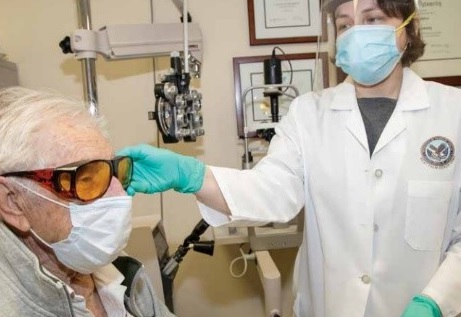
(64, 214)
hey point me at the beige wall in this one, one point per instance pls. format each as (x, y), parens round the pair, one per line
(30, 32)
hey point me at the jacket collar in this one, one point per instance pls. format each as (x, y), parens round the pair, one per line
(25, 272)
(413, 94)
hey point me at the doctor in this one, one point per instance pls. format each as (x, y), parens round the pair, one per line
(376, 163)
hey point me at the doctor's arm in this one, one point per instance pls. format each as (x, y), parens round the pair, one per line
(156, 170)
(210, 194)
(238, 195)
(445, 286)
(442, 295)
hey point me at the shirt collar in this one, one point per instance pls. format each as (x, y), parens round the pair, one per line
(108, 281)
(413, 94)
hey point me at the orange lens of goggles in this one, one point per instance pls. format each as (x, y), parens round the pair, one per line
(84, 181)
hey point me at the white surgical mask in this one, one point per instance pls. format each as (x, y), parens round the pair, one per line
(100, 231)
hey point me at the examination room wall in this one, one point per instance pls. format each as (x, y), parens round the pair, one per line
(29, 34)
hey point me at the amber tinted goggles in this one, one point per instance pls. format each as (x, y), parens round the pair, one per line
(85, 180)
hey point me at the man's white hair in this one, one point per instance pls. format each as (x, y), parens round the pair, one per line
(24, 113)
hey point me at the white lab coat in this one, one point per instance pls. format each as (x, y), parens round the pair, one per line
(377, 231)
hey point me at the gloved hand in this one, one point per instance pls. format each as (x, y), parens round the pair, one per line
(422, 306)
(157, 170)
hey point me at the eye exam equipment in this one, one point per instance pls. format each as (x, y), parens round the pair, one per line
(272, 88)
(177, 109)
(273, 236)
(148, 243)
(169, 266)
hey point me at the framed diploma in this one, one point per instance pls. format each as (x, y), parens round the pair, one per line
(285, 21)
(303, 71)
(440, 24)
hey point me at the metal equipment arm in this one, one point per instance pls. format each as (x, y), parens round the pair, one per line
(170, 267)
(177, 117)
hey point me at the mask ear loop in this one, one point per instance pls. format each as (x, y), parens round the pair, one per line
(35, 234)
(406, 22)
(40, 195)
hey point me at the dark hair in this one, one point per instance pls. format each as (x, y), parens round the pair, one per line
(403, 9)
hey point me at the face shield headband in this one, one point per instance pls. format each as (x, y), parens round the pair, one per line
(329, 6)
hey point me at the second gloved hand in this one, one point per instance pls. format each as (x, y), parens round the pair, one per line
(422, 306)
(157, 170)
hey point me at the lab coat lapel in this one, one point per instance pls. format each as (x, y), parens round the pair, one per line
(413, 96)
(345, 100)
(394, 127)
(357, 128)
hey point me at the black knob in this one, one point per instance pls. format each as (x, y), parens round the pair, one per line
(266, 134)
(65, 45)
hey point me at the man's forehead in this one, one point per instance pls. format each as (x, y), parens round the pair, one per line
(66, 144)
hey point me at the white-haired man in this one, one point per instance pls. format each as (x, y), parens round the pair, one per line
(64, 214)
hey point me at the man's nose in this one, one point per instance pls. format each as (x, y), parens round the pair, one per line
(115, 188)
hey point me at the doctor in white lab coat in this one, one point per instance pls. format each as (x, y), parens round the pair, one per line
(376, 163)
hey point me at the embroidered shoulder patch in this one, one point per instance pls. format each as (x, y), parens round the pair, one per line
(438, 152)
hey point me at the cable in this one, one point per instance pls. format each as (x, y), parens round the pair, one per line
(154, 70)
(289, 63)
(245, 258)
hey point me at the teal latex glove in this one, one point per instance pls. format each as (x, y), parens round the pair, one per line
(157, 170)
(422, 306)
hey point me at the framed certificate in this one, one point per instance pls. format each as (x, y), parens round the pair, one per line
(285, 21)
(306, 73)
(441, 61)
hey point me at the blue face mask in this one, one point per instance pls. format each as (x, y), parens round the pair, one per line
(369, 53)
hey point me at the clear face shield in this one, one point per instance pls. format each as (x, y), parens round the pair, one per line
(368, 38)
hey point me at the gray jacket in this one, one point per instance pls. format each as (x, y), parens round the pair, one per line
(27, 290)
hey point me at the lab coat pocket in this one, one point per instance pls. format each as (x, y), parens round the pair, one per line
(427, 210)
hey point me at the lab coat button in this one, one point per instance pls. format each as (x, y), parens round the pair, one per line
(375, 227)
(366, 279)
(378, 173)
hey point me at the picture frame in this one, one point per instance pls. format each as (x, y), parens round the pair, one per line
(309, 72)
(281, 22)
(441, 61)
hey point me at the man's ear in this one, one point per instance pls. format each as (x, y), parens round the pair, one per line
(12, 206)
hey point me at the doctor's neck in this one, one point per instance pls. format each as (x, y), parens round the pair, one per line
(388, 88)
